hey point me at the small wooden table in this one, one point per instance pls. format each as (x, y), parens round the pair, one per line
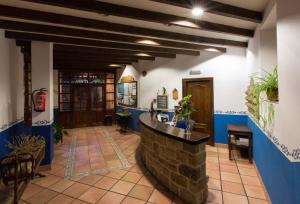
(240, 131)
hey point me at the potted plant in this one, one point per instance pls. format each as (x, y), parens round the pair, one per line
(184, 110)
(269, 84)
(59, 132)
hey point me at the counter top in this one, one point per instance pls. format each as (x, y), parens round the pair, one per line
(171, 131)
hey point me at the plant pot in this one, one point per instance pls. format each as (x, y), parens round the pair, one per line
(272, 95)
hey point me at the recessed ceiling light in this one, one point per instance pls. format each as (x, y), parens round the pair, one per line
(147, 42)
(186, 24)
(212, 49)
(114, 65)
(197, 11)
(143, 55)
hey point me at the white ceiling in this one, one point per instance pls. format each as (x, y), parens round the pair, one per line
(258, 5)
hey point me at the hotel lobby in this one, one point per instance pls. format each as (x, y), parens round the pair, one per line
(149, 102)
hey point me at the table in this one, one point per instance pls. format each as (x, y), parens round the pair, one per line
(235, 132)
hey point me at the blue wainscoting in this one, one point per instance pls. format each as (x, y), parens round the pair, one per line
(47, 132)
(221, 122)
(13, 130)
(134, 121)
(280, 176)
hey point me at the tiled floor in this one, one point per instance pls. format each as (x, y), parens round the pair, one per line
(232, 182)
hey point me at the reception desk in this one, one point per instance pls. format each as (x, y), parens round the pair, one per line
(175, 159)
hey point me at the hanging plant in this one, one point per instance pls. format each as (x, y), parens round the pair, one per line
(269, 84)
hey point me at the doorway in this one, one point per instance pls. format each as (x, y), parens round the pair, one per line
(201, 90)
(85, 98)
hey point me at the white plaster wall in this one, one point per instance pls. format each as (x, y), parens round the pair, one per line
(288, 29)
(11, 81)
(228, 70)
(42, 77)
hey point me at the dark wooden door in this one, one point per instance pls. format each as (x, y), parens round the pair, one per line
(88, 105)
(203, 102)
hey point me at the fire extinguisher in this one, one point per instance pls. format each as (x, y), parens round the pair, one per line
(39, 99)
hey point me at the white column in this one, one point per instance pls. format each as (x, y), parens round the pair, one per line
(42, 77)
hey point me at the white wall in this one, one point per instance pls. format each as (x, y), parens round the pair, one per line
(11, 82)
(228, 70)
(42, 77)
(288, 29)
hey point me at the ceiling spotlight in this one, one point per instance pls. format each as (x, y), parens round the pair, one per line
(147, 42)
(197, 11)
(114, 65)
(143, 55)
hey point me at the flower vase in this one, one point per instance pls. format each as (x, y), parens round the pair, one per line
(187, 130)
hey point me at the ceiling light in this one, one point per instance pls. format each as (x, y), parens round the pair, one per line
(114, 65)
(197, 11)
(212, 49)
(147, 42)
(143, 55)
(186, 24)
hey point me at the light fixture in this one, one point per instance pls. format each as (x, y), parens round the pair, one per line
(186, 24)
(147, 42)
(212, 49)
(197, 11)
(143, 55)
(114, 65)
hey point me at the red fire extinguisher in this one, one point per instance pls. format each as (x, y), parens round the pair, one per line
(39, 99)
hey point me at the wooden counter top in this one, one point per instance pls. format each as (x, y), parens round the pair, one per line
(172, 132)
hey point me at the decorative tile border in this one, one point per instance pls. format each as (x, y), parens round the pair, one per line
(293, 155)
(231, 112)
(42, 122)
(10, 124)
(120, 154)
(71, 158)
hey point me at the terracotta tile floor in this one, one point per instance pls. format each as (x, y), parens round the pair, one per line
(232, 182)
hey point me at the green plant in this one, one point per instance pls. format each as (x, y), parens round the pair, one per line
(269, 84)
(184, 109)
(59, 132)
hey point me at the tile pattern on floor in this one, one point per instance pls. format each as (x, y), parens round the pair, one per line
(230, 182)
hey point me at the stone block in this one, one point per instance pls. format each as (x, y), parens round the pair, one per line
(179, 179)
(190, 172)
(173, 144)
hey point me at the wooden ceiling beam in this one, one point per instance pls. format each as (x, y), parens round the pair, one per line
(145, 15)
(28, 14)
(94, 43)
(218, 8)
(57, 30)
(96, 50)
(92, 59)
(82, 65)
(92, 56)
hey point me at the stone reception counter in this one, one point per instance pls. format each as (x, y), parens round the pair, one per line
(175, 159)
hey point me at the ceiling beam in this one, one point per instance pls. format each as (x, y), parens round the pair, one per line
(89, 58)
(218, 8)
(82, 65)
(94, 43)
(56, 30)
(145, 15)
(97, 55)
(95, 50)
(85, 61)
(28, 14)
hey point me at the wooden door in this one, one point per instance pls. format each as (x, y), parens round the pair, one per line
(88, 105)
(202, 101)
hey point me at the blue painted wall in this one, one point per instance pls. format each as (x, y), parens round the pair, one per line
(47, 132)
(280, 176)
(221, 122)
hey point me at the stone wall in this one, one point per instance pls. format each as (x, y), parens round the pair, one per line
(177, 165)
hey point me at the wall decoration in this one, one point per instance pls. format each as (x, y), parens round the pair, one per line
(144, 73)
(127, 94)
(175, 94)
(252, 99)
(126, 79)
(162, 101)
